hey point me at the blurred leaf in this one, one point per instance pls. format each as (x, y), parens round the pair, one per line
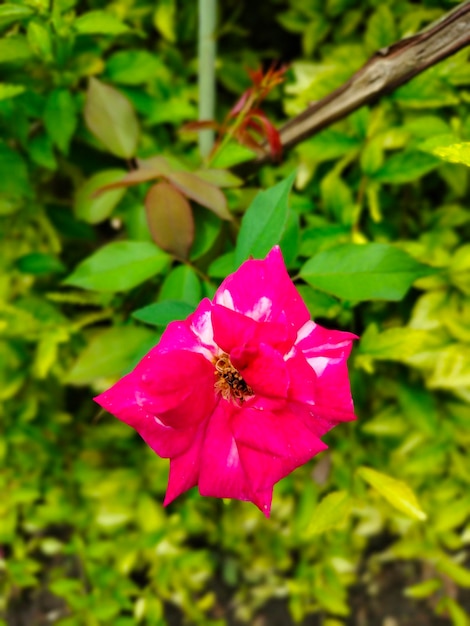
(11, 13)
(405, 167)
(60, 118)
(372, 271)
(133, 67)
(39, 263)
(14, 178)
(14, 49)
(207, 229)
(381, 30)
(398, 493)
(99, 23)
(111, 118)
(164, 19)
(202, 192)
(337, 199)
(39, 39)
(93, 208)
(109, 354)
(181, 284)
(424, 589)
(10, 91)
(394, 344)
(119, 266)
(162, 313)
(264, 221)
(330, 512)
(223, 265)
(219, 178)
(452, 370)
(170, 219)
(455, 153)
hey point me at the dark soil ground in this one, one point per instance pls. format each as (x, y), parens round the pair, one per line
(387, 606)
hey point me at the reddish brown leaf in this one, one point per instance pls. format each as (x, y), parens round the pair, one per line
(219, 178)
(170, 219)
(202, 192)
(190, 127)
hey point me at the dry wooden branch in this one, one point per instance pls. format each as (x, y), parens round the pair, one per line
(388, 69)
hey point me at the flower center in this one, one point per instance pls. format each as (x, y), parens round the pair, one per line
(229, 383)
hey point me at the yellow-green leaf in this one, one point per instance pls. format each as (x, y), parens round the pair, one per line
(396, 492)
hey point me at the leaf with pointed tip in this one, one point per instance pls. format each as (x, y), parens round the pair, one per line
(358, 272)
(95, 208)
(170, 219)
(119, 266)
(398, 493)
(110, 117)
(130, 179)
(202, 192)
(219, 178)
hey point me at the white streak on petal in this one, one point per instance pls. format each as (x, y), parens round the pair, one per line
(261, 310)
(305, 331)
(202, 328)
(318, 364)
(225, 299)
(233, 458)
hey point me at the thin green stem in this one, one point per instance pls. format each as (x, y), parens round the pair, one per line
(206, 71)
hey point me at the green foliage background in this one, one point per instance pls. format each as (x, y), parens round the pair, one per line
(84, 539)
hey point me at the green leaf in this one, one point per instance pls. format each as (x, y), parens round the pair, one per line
(337, 199)
(170, 219)
(223, 265)
(405, 167)
(133, 67)
(11, 13)
(39, 263)
(110, 353)
(99, 23)
(93, 208)
(165, 19)
(119, 266)
(231, 155)
(393, 344)
(330, 513)
(381, 29)
(14, 49)
(162, 313)
(396, 492)
(452, 370)
(60, 118)
(264, 221)
(455, 153)
(41, 151)
(372, 271)
(219, 178)
(10, 91)
(40, 41)
(14, 180)
(181, 284)
(207, 230)
(111, 118)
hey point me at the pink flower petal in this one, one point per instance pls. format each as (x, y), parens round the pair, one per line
(221, 474)
(263, 291)
(262, 368)
(184, 468)
(194, 333)
(233, 329)
(176, 386)
(276, 432)
(165, 441)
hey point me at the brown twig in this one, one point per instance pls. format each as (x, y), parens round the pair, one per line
(388, 69)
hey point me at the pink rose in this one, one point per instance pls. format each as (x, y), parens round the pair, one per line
(238, 395)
